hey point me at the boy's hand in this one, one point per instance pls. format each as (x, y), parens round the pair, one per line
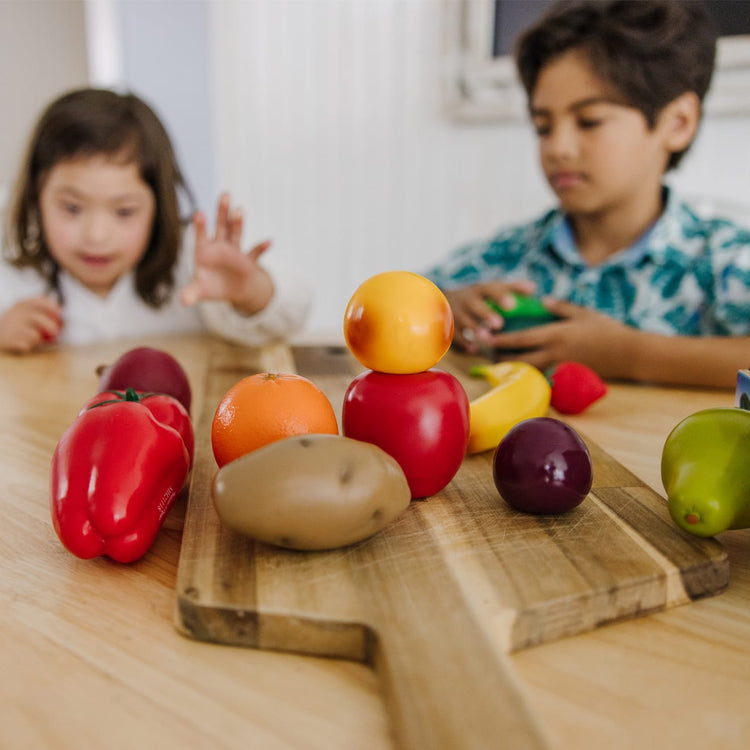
(222, 270)
(29, 324)
(581, 335)
(474, 322)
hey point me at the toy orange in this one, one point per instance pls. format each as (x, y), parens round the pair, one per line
(266, 407)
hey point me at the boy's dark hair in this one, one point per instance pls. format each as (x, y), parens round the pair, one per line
(91, 122)
(651, 51)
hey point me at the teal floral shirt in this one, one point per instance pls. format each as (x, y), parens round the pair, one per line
(685, 275)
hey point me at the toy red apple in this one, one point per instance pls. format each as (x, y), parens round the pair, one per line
(421, 419)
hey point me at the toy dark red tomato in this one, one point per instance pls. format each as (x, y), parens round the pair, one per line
(421, 419)
(146, 369)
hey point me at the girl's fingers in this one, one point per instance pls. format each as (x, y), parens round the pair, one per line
(46, 318)
(47, 327)
(199, 227)
(190, 293)
(259, 249)
(235, 226)
(222, 218)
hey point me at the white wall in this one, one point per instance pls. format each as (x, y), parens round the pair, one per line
(166, 60)
(158, 49)
(42, 54)
(331, 134)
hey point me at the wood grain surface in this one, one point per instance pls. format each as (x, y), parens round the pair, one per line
(90, 656)
(437, 600)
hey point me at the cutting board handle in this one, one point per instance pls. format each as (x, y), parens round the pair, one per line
(444, 685)
(450, 689)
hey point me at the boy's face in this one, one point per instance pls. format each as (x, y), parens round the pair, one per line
(597, 153)
(97, 216)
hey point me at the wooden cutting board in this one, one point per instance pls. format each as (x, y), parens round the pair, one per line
(437, 600)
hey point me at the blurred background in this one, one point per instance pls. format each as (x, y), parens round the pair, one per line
(333, 123)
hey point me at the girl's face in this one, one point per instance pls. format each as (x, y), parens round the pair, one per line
(597, 153)
(97, 215)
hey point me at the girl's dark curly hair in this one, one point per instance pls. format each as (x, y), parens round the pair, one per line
(651, 51)
(92, 122)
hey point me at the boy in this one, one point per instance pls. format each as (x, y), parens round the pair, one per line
(642, 288)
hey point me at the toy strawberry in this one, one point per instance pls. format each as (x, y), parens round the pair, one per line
(574, 387)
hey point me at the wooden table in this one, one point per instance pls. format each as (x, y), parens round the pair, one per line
(90, 656)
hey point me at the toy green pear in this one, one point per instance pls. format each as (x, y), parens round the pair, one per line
(705, 468)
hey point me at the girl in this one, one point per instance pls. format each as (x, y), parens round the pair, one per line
(93, 248)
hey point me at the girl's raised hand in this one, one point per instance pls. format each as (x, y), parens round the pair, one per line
(222, 270)
(29, 324)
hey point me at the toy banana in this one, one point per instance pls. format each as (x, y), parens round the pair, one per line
(519, 391)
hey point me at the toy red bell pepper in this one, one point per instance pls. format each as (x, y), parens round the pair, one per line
(161, 405)
(117, 471)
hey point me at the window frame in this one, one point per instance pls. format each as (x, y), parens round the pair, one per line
(478, 87)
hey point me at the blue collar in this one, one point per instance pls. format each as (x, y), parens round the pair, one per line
(563, 241)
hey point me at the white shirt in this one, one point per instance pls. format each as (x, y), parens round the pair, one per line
(89, 318)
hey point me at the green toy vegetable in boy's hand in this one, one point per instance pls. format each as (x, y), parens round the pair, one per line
(527, 312)
(705, 468)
